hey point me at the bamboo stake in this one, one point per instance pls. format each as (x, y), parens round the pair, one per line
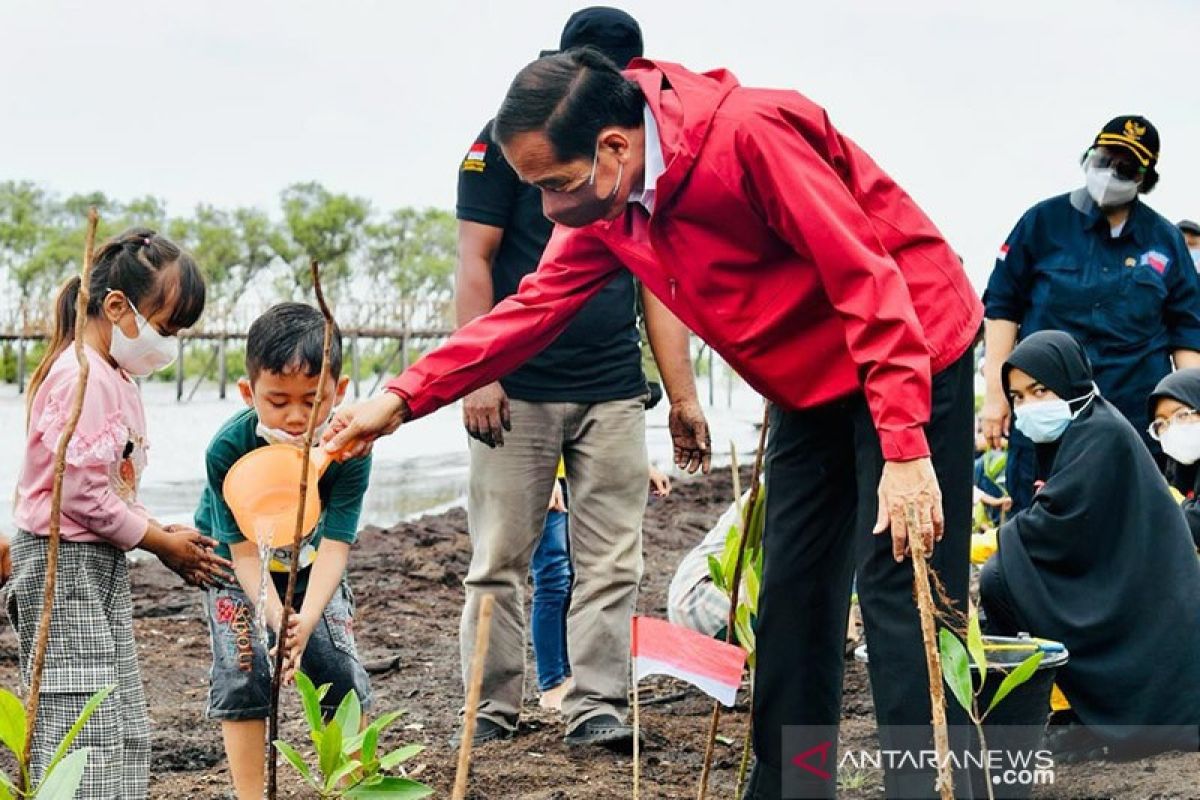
(60, 467)
(745, 765)
(637, 744)
(933, 659)
(735, 590)
(289, 595)
(482, 637)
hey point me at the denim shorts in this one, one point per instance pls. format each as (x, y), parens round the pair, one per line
(240, 682)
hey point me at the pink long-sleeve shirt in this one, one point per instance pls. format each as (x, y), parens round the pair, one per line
(105, 457)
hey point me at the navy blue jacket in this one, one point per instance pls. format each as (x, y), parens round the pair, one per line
(1130, 300)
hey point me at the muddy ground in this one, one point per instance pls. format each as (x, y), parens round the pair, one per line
(408, 586)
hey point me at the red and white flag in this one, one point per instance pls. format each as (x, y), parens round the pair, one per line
(660, 648)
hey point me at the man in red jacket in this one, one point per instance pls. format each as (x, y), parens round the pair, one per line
(786, 248)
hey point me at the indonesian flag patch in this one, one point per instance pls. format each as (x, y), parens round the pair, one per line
(474, 162)
(1003, 253)
(1155, 260)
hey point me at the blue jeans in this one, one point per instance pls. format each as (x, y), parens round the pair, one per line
(551, 567)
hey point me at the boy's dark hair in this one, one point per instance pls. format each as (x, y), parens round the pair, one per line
(571, 97)
(291, 336)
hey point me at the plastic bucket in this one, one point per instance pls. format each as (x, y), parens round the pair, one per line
(262, 489)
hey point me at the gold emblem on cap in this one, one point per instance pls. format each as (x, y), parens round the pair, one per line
(1133, 130)
(1130, 262)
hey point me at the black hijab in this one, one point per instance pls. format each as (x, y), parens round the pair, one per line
(1058, 362)
(1184, 387)
(1103, 562)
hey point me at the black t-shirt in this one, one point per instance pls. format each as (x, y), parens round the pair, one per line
(597, 358)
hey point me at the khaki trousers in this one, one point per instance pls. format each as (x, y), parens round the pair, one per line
(604, 447)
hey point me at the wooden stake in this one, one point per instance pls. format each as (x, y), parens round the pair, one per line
(289, 595)
(637, 743)
(482, 637)
(60, 467)
(735, 589)
(933, 659)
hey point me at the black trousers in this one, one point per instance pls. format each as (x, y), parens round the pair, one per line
(823, 471)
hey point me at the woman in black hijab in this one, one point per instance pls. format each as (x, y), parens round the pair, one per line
(1175, 423)
(1102, 561)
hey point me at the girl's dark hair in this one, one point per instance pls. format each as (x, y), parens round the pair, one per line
(291, 336)
(570, 96)
(132, 262)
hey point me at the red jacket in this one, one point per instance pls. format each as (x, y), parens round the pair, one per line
(776, 239)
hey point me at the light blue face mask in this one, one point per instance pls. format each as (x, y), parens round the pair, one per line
(1047, 420)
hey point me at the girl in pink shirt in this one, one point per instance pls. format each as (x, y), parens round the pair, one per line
(144, 290)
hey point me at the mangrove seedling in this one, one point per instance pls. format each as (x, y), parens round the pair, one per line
(956, 668)
(347, 760)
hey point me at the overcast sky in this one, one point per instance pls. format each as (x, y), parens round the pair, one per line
(978, 109)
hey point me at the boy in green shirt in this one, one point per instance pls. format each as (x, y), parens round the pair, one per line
(283, 364)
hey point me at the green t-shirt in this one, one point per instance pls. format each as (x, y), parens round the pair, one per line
(341, 490)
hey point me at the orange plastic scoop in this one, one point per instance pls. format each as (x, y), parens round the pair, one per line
(263, 491)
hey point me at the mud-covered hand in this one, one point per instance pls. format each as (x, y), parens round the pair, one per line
(690, 436)
(905, 486)
(355, 428)
(189, 554)
(486, 414)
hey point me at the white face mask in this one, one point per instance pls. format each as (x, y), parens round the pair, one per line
(146, 352)
(1108, 190)
(1195, 251)
(1046, 421)
(1181, 442)
(276, 436)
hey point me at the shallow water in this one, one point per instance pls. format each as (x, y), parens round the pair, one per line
(422, 468)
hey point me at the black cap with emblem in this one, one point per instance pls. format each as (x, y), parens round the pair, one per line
(1134, 134)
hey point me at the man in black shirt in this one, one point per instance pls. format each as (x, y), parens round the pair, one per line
(582, 399)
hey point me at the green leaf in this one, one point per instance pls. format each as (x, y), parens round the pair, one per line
(296, 760)
(354, 743)
(751, 582)
(391, 788)
(714, 571)
(743, 629)
(1012, 680)
(370, 744)
(323, 690)
(955, 669)
(63, 781)
(975, 644)
(399, 756)
(330, 753)
(90, 708)
(7, 790)
(757, 515)
(345, 769)
(12, 722)
(310, 701)
(349, 713)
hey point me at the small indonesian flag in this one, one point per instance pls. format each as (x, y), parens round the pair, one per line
(1003, 252)
(477, 151)
(660, 648)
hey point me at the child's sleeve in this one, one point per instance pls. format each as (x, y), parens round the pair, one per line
(94, 454)
(220, 457)
(345, 501)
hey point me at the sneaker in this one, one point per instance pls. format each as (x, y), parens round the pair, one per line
(603, 730)
(485, 731)
(552, 699)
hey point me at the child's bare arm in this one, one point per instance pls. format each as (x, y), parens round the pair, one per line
(323, 582)
(248, 568)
